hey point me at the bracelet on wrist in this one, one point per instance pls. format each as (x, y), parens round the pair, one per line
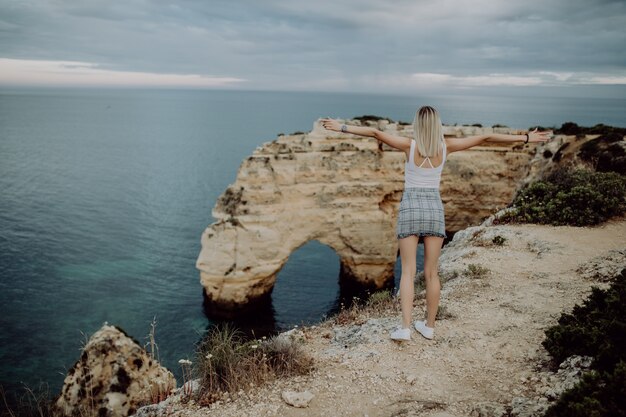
(344, 128)
(527, 138)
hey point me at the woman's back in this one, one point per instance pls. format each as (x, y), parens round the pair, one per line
(426, 174)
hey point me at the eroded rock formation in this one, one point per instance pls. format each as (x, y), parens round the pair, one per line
(113, 377)
(342, 190)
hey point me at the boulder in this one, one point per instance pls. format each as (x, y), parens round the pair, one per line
(113, 377)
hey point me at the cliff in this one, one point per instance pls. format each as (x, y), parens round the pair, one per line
(342, 190)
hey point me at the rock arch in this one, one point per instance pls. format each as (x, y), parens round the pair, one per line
(340, 189)
(321, 186)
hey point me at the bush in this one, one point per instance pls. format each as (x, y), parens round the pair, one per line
(371, 117)
(226, 362)
(571, 128)
(570, 197)
(596, 395)
(596, 329)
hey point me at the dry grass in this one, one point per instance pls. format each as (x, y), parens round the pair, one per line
(158, 392)
(476, 271)
(40, 402)
(379, 303)
(225, 363)
(384, 303)
(30, 403)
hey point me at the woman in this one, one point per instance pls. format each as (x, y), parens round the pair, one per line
(421, 209)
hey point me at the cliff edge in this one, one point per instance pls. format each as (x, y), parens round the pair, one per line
(486, 358)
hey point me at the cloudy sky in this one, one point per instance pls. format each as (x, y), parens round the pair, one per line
(321, 45)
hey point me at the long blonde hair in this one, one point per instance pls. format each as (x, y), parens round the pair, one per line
(427, 131)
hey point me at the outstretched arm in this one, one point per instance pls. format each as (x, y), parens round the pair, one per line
(398, 142)
(458, 144)
(533, 136)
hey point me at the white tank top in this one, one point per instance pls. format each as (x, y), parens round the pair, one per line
(418, 176)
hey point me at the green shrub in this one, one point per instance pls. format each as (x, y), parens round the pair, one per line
(371, 117)
(598, 394)
(571, 128)
(379, 298)
(596, 329)
(498, 240)
(570, 197)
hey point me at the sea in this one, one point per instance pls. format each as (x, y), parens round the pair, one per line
(104, 194)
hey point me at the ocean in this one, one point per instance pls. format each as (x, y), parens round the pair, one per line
(105, 193)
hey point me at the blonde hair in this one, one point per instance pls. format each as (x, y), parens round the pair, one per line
(427, 131)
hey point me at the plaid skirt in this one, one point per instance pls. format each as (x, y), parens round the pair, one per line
(421, 213)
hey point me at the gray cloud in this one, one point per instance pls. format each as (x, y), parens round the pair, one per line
(363, 45)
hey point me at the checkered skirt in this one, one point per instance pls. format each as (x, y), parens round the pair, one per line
(421, 213)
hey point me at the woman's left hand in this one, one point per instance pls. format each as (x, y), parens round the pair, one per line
(330, 124)
(534, 136)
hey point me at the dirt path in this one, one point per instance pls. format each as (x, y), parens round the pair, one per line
(487, 349)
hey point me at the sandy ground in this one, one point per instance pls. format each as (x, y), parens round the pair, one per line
(487, 349)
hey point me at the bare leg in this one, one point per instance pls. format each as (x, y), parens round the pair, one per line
(432, 250)
(408, 255)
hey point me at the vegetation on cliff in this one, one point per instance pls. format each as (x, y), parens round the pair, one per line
(596, 329)
(226, 363)
(571, 128)
(576, 197)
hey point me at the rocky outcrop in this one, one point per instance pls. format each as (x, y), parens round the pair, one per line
(342, 190)
(113, 377)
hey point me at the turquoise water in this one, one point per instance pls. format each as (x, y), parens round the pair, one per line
(105, 193)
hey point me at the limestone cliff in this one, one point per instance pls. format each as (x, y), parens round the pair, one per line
(113, 377)
(342, 190)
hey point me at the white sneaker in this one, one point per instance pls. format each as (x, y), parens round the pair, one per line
(427, 332)
(401, 333)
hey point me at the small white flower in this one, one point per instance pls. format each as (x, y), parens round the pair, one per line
(264, 337)
(209, 356)
(184, 362)
(295, 325)
(254, 346)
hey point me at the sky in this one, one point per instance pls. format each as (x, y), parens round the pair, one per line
(386, 46)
